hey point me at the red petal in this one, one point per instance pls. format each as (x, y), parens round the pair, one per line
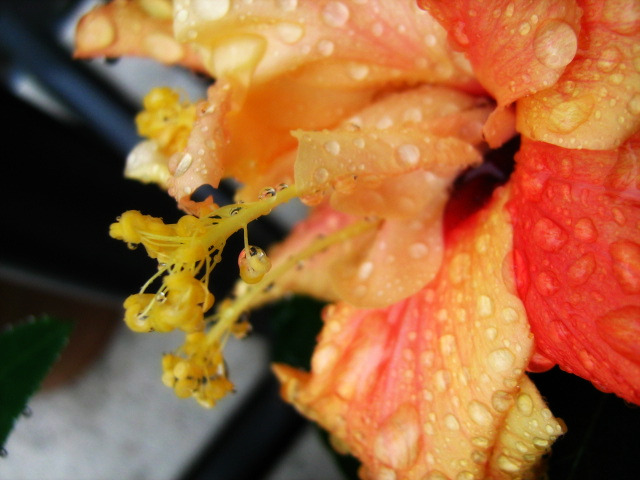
(576, 215)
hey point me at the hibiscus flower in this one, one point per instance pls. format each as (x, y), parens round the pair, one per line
(369, 111)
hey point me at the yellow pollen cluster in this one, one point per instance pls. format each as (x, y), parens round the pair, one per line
(166, 120)
(187, 253)
(197, 371)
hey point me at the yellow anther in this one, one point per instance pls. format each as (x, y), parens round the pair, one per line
(166, 120)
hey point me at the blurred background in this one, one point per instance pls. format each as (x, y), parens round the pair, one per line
(103, 412)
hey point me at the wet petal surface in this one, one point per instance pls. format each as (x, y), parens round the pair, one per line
(424, 387)
(596, 102)
(576, 215)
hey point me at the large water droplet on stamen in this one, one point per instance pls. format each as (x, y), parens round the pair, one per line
(254, 264)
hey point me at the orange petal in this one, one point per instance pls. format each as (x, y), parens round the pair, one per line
(429, 385)
(516, 49)
(352, 43)
(134, 28)
(576, 215)
(596, 102)
(202, 161)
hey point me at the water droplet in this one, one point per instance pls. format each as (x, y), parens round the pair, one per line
(509, 315)
(377, 29)
(397, 441)
(547, 283)
(460, 268)
(254, 264)
(626, 265)
(567, 116)
(447, 344)
(451, 422)
(267, 192)
(365, 270)
(335, 14)
(332, 147)
(585, 230)
(326, 47)
(548, 235)
(359, 142)
(484, 306)
(459, 33)
(384, 122)
(501, 401)
(555, 44)
(541, 443)
(281, 186)
(99, 34)
(442, 379)
(358, 71)
(480, 442)
(207, 10)
(418, 250)
(524, 404)
(491, 333)
(524, 28)
(508, 464)
(580, 271)
(183, 166)
(501, 360)
(508, 12)
(634, 105)
(288, 5)
(609, 59)
(289, 32)
(321, 175)
(479, 413)
(620, 329)
(408, 155)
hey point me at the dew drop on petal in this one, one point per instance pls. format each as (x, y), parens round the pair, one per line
(479, 413)
(626, 265)
(567, 116)
(501, 360)
(397, 441)
(321, 175)
(332, 147)
(620, 329)
(555, 44)
(501, 401)
(335, 14)
(548, 235)
(524, 28)
(546, 283)
(207, 10)
(585, 230)
(451, 422)
(609, 59)
(183, 165)
(524, 404)
(408, 155)
(418, 250)
(634, 105)
(326, 47)
(580, 271)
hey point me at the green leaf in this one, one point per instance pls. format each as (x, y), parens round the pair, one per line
(27, 352)
(295, 324)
